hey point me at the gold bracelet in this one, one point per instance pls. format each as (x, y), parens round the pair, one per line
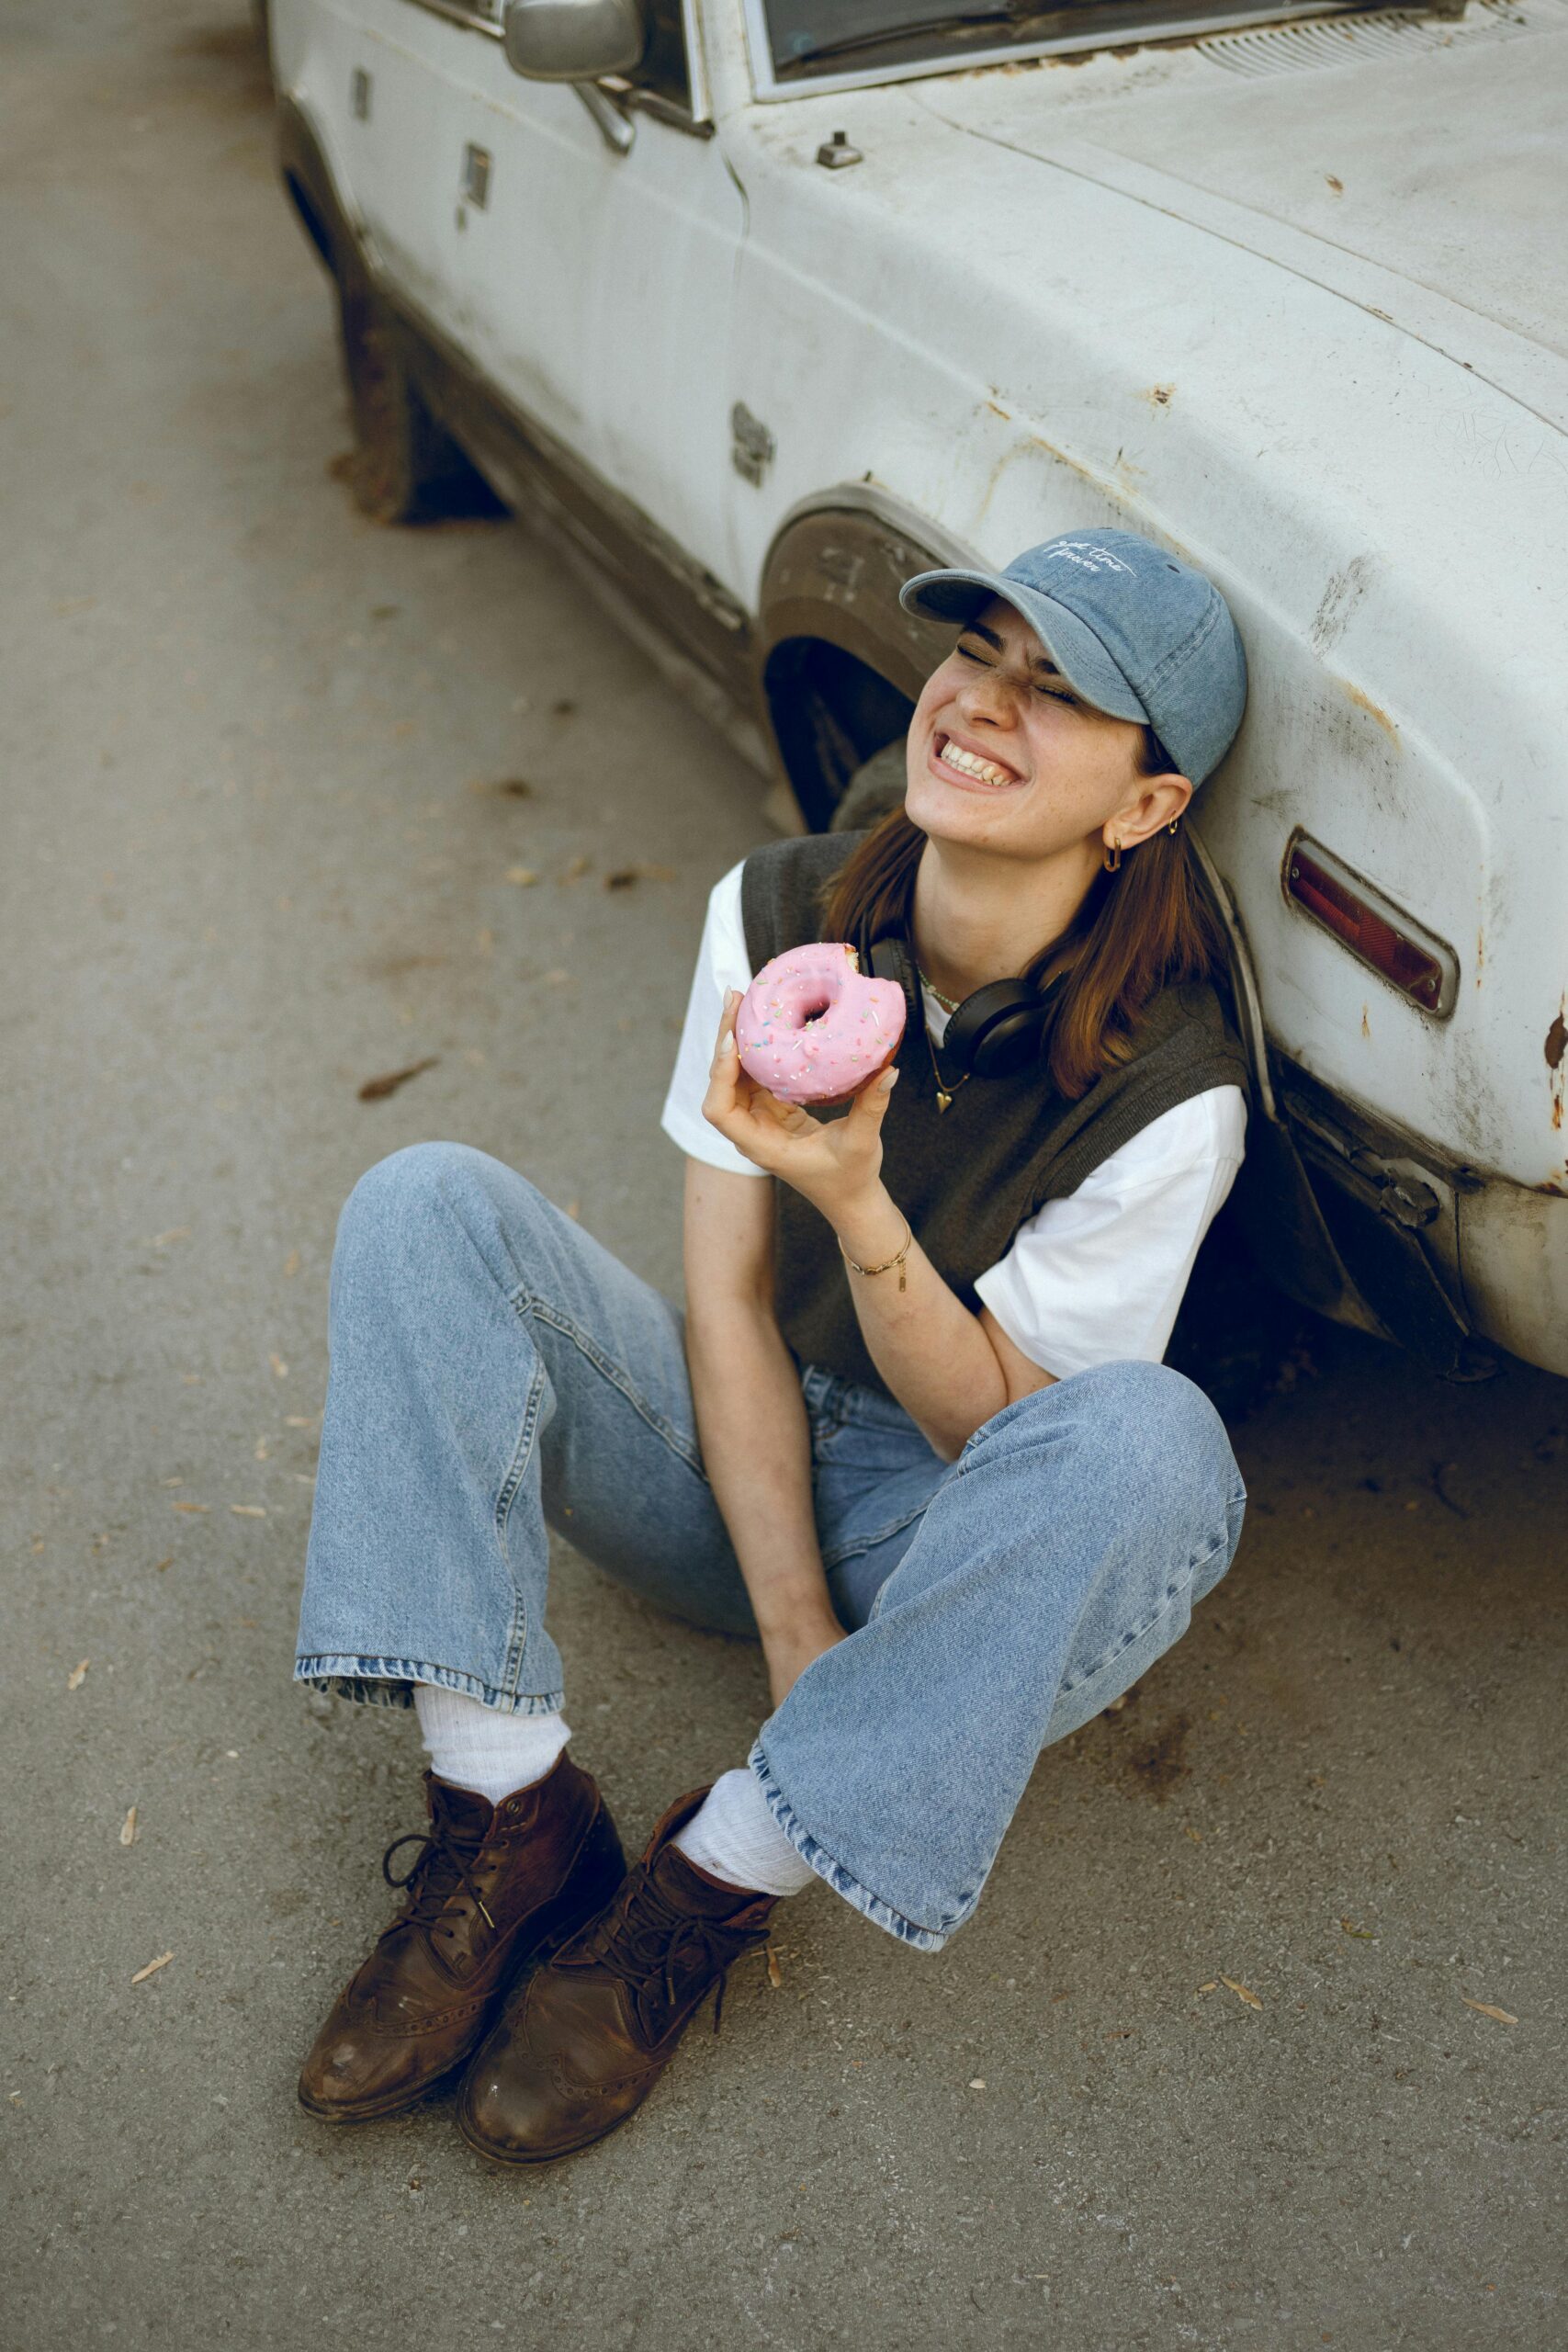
(897, 1259)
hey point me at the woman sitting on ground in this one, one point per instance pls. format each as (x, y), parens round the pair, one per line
(912, 1429)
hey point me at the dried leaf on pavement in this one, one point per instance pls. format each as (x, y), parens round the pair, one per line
(152, 1968)
(280, 1367)
(775, 1974)
(198, 1507)
(77, 1675)
(375, 1089)
(1351, 1930)
(1486, 2009)
(128, 1828)
(521, 875)
(248, 1510)
(1243, 1992)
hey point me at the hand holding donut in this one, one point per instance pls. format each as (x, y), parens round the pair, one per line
(829, 1163)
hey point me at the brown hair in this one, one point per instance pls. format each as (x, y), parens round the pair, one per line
(1140, 930)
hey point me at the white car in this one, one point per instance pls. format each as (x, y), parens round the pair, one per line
(766, 304)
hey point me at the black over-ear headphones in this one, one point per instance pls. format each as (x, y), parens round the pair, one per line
(1002, 1028)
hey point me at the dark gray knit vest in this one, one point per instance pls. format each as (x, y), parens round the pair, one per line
(968, 1177)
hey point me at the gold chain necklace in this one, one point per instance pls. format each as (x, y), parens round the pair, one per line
(944, 1095)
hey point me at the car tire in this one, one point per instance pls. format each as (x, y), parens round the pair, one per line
(874, 788)
(406, 468)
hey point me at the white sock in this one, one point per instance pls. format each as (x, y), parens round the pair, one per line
(478, 1747)
(733, 1837)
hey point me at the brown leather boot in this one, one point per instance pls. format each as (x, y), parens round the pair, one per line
(492, 1888)
(579, 2048)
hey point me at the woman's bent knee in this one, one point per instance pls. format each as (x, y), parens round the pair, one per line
(400, 1193)
(413, 1175)
(1155, 1414)
(1135, 1446)
(1123, 1416)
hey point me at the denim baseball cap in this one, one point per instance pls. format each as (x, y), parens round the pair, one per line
(1133, 630)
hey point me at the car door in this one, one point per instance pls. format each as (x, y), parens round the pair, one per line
(386, 82)
(593, 243)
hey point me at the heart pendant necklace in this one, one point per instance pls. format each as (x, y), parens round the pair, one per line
(944, 1095)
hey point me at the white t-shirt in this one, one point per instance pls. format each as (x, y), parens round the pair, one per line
(1095, 1278)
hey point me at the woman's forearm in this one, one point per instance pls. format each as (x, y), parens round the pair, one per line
(930, 1351)
(756, 1443)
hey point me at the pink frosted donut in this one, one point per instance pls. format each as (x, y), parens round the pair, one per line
(811, 1029)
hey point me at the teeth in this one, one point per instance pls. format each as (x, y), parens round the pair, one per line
(985, 771)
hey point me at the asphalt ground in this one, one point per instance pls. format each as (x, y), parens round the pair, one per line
(1218, 2061)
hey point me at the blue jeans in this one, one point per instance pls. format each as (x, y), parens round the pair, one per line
(496, 1372)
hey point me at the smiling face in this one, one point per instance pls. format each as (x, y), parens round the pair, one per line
(1003, 755)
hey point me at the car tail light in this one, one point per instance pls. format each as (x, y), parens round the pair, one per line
(1382, 935)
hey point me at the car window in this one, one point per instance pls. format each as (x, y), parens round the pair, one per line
(809, 41)
(663, 69)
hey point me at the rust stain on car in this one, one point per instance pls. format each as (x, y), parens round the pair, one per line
(1159, 395)
(1364, 702)
(1557, 1041)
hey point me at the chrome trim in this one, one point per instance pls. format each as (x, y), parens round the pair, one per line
(697, 64)
(614, 128)
(768, 90)
(1244, 979)
(471, 19)
(649, 102)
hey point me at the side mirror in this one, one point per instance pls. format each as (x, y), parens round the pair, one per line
(573, 40)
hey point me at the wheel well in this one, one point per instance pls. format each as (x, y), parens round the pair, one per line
(315, 228)
(830, 712)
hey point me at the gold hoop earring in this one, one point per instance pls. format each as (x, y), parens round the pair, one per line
(1112, 857)
(1173, 824)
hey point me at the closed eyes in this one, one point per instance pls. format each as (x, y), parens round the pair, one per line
(1057, 690)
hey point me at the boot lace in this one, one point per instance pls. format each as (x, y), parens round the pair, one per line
(649, 1943)
(438, 1872)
